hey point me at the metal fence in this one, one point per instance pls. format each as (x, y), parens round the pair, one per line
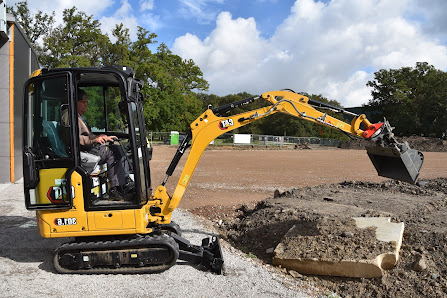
(284, 140)
(260, 140)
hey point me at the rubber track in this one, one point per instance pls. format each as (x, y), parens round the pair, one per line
(144, 241)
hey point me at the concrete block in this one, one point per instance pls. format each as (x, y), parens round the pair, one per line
(288, 257)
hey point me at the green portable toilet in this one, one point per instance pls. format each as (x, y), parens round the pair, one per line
(174, 137)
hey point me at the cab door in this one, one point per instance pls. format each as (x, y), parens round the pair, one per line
(48, 159)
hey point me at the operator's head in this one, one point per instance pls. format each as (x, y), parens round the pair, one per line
(82, 101)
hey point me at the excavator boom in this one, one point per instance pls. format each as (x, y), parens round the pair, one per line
(390, 158)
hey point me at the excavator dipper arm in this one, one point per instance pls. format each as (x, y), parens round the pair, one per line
(211, 124)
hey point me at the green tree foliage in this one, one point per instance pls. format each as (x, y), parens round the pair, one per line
(77, 42)
(97, 108)
(414, 100)
(173, 81)
(118, 53)
(171, 103)
(35, 26)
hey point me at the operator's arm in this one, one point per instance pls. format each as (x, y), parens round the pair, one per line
(87, 138)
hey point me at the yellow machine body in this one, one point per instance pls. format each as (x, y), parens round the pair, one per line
(76, 222)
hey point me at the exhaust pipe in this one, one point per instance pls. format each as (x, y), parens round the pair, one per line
(393, 159)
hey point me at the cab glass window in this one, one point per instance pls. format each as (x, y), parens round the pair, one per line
(47, 144)
(48, 108)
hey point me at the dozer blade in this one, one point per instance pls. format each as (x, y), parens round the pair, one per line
(212, 255)
(392, 163)
(209, 255)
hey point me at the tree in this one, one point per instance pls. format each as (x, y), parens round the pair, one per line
(170, 101)
(77, 42)
(118, 53)
(35, 26)
(172, 83)
(414, 100)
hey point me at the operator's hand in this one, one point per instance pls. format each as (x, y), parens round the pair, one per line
(101, 139)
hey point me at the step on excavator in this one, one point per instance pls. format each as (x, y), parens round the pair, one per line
(70, 189)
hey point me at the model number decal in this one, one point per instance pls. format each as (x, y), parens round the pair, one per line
(71, 221)
(224, 124)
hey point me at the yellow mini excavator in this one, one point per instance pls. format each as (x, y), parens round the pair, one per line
(69, 188)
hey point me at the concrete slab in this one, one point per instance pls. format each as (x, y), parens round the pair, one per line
(287, 256)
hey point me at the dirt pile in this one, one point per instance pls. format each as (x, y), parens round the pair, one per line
(421, 270)
(419, 143)
(342, 240)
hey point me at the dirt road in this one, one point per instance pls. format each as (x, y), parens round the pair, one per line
(229, 177)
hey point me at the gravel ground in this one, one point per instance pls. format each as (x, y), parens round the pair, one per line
(26, 266)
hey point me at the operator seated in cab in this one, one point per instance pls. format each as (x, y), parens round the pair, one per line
(95, 144)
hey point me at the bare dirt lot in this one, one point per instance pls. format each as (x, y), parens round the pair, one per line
(231, 177)
(255, 196)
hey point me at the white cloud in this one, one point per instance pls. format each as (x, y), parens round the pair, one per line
(146, 5)
(127, 16)
(200, 10)
(318, 48)
(351, 90)
(122, 15)
(48, 6)
(228, 53)
(126, 13)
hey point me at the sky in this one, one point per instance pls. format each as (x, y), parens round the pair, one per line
(324, 47)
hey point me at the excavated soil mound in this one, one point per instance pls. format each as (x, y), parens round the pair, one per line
(419, 143)
(342, 240)
(326, 211)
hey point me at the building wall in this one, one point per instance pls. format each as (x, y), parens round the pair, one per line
(4, 112)
(24, 63)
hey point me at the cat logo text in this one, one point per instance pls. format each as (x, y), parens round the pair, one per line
(224, 124)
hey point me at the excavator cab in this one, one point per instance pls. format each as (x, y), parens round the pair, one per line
(70, 188)
(52, 153)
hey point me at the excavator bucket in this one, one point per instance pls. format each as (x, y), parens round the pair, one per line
(391, 162)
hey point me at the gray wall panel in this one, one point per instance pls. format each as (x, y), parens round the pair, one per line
(18, 167)
(4, 48)
(4, 140)
(4, 170)
(4, 72)
(21, 73)
(4, 113)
